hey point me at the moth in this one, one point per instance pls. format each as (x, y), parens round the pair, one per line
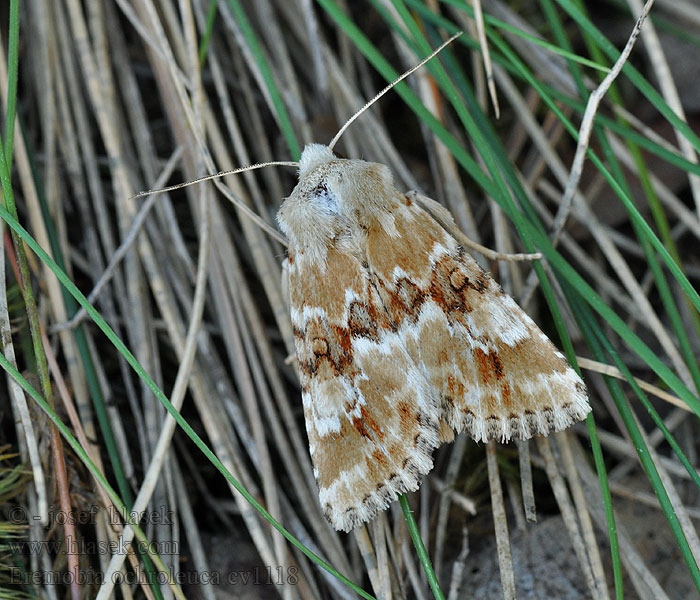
(402, 340)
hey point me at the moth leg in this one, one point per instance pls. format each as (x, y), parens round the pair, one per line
(438, 212)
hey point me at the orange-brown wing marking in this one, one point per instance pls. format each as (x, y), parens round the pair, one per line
(497, 374)
(371, 416)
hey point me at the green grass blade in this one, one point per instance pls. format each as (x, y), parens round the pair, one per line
(12, 72)
(420, 548)
(598, 343)
(90, 465)
(633, 74)
(619, 176)
(604, 484)
(131, 359)
(208, 29)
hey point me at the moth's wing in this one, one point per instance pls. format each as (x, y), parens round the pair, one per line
(498, 376)
(372, 418)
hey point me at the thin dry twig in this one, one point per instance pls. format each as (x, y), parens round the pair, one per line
(586, 129)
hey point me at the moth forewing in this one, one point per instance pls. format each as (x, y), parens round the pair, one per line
(402, 339)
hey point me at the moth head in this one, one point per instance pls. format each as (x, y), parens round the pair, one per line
(335, 201)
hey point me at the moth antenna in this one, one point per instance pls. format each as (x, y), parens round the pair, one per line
(334, 141)
(276, 163)
(242, 207)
